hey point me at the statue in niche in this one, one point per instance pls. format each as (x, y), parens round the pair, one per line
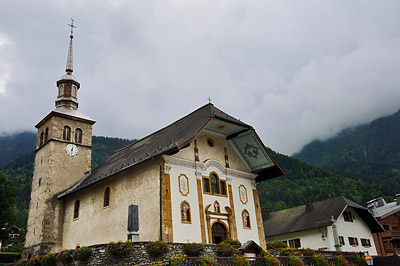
(185, 212)
(246, 219)
(216, 207)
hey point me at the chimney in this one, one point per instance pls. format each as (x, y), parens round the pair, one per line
(381, 202)
(309, 206)
(265, 214)
(397, 199)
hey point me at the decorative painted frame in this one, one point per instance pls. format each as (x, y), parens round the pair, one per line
(243, 192)
(189, 211)
(182, 179)
(246, 223)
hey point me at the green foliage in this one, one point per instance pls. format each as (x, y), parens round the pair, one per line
(270, 260)
(288, 251)
(157, 248)
(193, 249)
(50, 259)
(82, 254)
(177, 260)
(341, 261)
(65, 255)
(225, 249)
(360, 261)
(21, 262)
(232, 242)
(208, 261)
(319, 260)
(34, 261)
(240, 261)
(306, 251)
(295, 261)
(7, 193)
(119, 249)
(276, 244)
(103, 146)
(14, 145)
(9, 256)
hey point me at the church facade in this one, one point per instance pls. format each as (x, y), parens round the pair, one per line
(192, 181)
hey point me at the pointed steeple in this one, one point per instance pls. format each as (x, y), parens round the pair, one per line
(68, 85)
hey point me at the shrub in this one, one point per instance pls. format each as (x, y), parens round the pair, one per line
(341, 261)
(360, 261)
(65, 255)
(158, 263)
(82, 254)
(295, 261)
(232, 242)
(177, 260)
(119, 249)
(9, 256)
(289, 251)
(270, 260)
(157, 248)
(225, 249)
(319, 260)
(21, 262)
(50, 259)
(193, 249)
(208, 261)
(276, 244)
(34, 261)
(240, 261)
(307, 251)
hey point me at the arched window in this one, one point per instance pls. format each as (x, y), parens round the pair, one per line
(67, 133)
(185, 212)
(246, 219)
(106, 198)
(41, 139)
(78, 135)
(214, 183)
(76, 209)
(46, 135)
(216, 207)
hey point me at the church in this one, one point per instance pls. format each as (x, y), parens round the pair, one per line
(194, 180)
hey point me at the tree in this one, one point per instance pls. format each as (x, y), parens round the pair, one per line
(7, 194)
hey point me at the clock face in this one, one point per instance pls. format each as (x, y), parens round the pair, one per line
(71, 149)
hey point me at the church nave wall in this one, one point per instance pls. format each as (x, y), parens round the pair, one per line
(97, 224)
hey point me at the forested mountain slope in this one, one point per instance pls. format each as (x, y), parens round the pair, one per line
(370, 153)
(14, 145)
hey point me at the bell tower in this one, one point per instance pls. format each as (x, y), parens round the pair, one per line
(63, 157)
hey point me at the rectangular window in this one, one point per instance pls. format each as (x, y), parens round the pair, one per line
(206, 185)
(348, 217)
(294, 243)
(365, 242)
(341, 240)
(223, 187)
(353, 241)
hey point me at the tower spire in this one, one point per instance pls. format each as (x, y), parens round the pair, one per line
(68, 85)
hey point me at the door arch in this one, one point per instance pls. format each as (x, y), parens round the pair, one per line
(219, 232)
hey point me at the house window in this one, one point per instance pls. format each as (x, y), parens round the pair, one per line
(353, 241)
(46, 134)
(106, 197)
(185, 213)
(294, 243)
(246, 219)
(67, 133)
(365, 242)
(213, 185)
(348, 217)
(341, 240)
(76, 209)
(78, 135)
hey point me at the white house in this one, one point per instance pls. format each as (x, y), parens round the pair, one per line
(337, 224)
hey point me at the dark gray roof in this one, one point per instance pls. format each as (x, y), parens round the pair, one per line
(167, 140)
(296, 219)
(385, 209)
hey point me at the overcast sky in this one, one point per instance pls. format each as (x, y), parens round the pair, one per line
(294, 70)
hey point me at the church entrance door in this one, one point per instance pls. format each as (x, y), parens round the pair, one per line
(218, 231)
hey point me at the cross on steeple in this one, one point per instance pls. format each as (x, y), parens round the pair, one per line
(72, 26)
(209, 99)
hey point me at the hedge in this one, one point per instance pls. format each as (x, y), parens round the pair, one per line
(9, 256)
